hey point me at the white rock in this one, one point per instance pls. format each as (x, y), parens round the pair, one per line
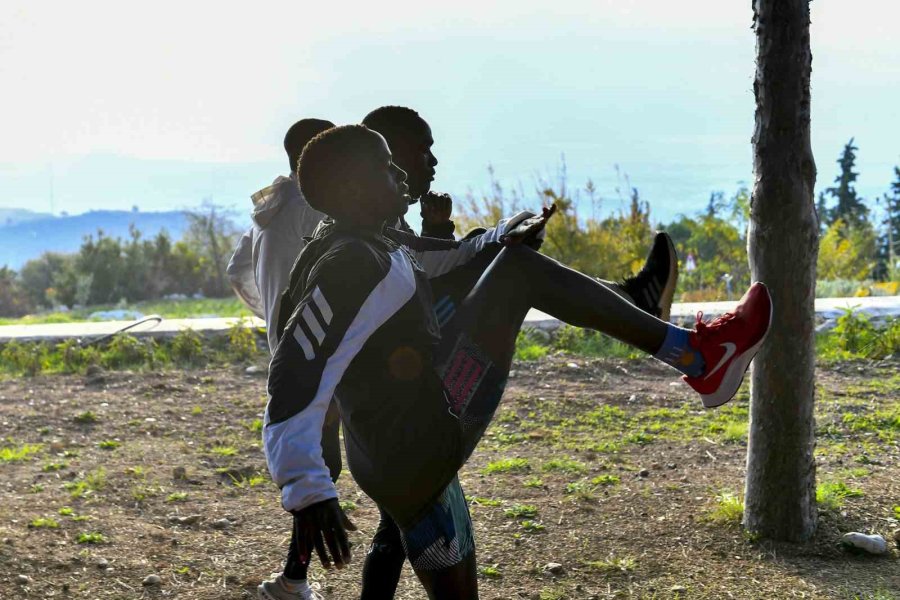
(873, 544)
(151, 580)
(23, 579)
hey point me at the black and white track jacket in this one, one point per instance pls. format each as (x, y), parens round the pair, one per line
(363, 327)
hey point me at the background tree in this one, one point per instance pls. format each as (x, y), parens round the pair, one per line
(889, 242)
(779, 499)
(212, 236)
(849, 207)
(14, 301)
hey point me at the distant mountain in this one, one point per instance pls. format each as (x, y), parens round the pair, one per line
(28, 236)
(14, 216)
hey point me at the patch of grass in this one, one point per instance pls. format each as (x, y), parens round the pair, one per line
(507, 465)
(224, 450)
(831, 495)
(897, 511)
(347, 505)
(565, 465)
(532, 526)
(36, 488)
(641, 438)
(248, 482)
(521, 511)
(729, 509)
(490, 572)
(256, 425)
(19, 453)
(606, 480)
(533, 482)
(585, 342)
(531, 345)
(581, 490)
(43, 523)
(66, 511)
(735, 431)
(109, 444)
(91, 483)
(86, 417)
(91, 538)
(54, 466)
(177, 497)
(197, 410)
(612, 564)
(483, 501)
(137, 471)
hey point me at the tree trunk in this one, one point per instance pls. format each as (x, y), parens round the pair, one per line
(780, 500)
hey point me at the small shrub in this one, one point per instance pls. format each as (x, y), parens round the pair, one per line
(242, 342)
(66, 511)
(533, 482)
(109, 444)
(187, 347)
(177, 497)
(126, 350)
(25, 358)
(256, 425)
(347, 505)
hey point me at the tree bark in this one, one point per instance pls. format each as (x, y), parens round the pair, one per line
(779, 500)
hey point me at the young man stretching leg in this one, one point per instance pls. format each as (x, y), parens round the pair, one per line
(410, 139)
(415, 398)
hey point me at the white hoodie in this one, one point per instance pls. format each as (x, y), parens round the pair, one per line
(260, 268)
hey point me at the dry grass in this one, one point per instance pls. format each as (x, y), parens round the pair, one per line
(607, 469)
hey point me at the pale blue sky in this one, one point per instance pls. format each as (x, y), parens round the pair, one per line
(162, 104)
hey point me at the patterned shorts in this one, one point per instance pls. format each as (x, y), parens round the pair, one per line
(441, 536)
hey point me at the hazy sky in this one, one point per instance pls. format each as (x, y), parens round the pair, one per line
(161, 104)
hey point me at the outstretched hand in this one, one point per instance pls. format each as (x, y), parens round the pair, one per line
(323, 526)
(436, 208)
(527, 231)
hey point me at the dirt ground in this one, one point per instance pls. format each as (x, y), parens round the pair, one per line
(111, 477)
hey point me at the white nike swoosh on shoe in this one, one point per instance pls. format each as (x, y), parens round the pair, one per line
(730, 349)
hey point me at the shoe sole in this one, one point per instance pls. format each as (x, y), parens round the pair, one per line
(734, 374)
(668, 292)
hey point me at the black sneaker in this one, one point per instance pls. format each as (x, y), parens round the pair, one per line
(653, 288)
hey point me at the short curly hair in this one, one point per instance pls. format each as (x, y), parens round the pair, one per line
(330, 160)
(395, 123)
(299, 135)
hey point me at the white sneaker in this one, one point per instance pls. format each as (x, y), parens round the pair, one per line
(277, 588)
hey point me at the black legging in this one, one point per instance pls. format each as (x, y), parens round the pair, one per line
(491, 316)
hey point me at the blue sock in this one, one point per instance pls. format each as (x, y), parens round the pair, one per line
(676, 351)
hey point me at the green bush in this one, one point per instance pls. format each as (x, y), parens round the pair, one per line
(126, 350)
(242, 342)
(187, 347)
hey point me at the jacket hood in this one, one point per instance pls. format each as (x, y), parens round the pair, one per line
(268, 201)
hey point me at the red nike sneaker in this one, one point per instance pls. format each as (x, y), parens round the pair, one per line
(728, 344)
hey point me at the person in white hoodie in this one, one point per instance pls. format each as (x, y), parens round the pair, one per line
(259, 271)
